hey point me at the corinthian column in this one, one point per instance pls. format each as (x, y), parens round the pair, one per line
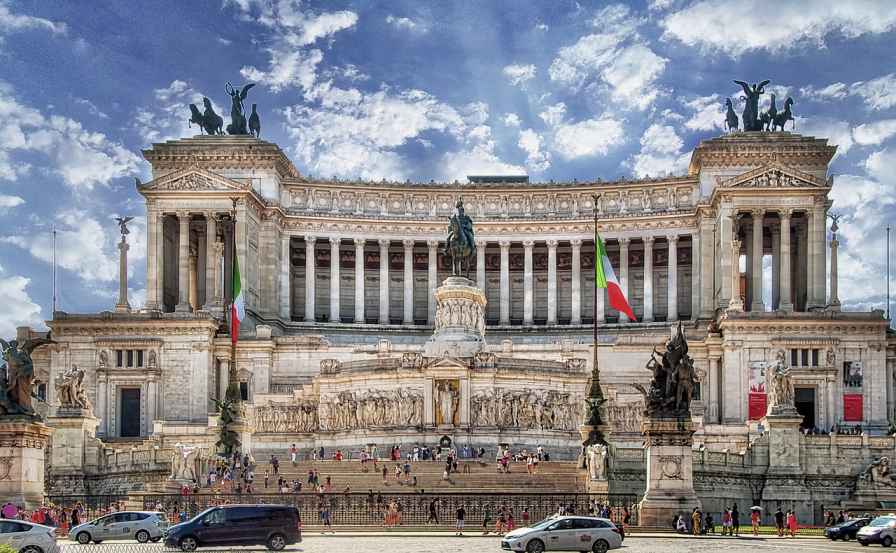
(285, 279)
(335, 281)
(480, 264)
(528, 293)
(835, 300)
(359, 280)
(505, 281)
(576, 317)
(672, 298)
(408, 318)
(552, 282)
(623, 273)
(183, 262)
(736, 303)
(648, 279)
(432, 277)
(153, 220)
(211, 233)
(123, 306)
(384, 282)
(756, 260)
(309, 278)
(785, 294)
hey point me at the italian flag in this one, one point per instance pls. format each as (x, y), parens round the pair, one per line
(605, 277)
(238, 307)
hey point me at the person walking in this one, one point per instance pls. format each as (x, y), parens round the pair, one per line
(754, 521)
(779, 522)
(791, 523)
(695, 522)
(486, 519)
(726, 522)
(459, 516)
(433, 513)
(735, 520)
(293, 452)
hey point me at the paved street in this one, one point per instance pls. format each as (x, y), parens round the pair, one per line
(477, 544)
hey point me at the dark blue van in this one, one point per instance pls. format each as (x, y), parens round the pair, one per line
(274, 526)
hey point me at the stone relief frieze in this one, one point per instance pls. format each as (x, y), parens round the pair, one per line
(525, 409)
(347, 410)
(626, 417)
(296, 417)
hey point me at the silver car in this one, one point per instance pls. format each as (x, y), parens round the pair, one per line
(142, 526)
(565, 533)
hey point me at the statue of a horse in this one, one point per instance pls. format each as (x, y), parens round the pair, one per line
(460, 249)
(730, 117)
(768, 116)
(213, 122)
(783, 117)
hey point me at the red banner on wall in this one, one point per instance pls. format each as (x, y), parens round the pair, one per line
(852, 407)
(758, 405)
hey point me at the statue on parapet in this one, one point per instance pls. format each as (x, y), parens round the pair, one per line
(209, 121)
(780, 393)
(751, 109)
(237, 110)
(70, 390)
(16, 380)
(460, 245)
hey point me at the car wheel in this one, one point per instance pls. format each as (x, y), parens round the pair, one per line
(887, 541)
(97, 541)
(83, 538)
(142, 536)
(535, 546)
(600, 546)
(31, 549)
(188, 544)
(864, 544)
(276, 542)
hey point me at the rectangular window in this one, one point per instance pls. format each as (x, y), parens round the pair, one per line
(805, 359)
(139, 357)
(130, 358)
(244, 391)
(119, 358)
(794, 358)
(814, 357)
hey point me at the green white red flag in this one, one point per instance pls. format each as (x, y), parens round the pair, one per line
(238, 307)
(605, 277)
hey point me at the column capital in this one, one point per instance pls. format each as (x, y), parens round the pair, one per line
(504, 244)
(552, 244)
(433, 244)
(672, 238)
(335, 241)
(480, 242)
(528, 244)
(757, 213)
(785, 213)
(623, 242)
(182, 214)
(310, 239)
(408, 244)
(359, 242)
(576, 242)
(384, 243)
(648, 240)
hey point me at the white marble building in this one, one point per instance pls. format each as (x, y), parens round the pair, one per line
(340, 276)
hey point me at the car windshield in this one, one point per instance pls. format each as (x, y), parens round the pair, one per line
(203, 513)
(541, 525)
(882, 521)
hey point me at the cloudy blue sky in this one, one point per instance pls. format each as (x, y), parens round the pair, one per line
(419, 90)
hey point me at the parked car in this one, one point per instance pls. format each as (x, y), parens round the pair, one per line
(274, 526)
(846, 530)
(565, 533)
(881, 530)
(28, 537)
(142, 526)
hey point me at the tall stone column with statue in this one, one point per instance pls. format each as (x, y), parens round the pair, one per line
(23, 437)
(668, 434)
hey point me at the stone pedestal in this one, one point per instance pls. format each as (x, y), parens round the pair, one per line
(459, 320)
(670, 472)
(74, 435)
(22, 444)
(783, 429)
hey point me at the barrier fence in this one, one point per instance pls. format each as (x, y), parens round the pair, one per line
(407, 509)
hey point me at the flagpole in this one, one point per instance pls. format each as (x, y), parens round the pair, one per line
(595, 422)
(595, 371)
(233, 392)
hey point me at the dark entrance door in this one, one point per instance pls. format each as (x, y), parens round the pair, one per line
(130, 412)
(804, 398)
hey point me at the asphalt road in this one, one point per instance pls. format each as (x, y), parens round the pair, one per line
(315, 543)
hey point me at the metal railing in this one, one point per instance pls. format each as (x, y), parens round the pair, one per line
(90, 506)
(407, 509)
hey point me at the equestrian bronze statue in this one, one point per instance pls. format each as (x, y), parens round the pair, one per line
(460, 245)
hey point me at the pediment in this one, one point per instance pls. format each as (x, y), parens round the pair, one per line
(193, 180)
(773, 175)
(449, 363)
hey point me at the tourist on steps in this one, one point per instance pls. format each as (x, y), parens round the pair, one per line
(459, 520)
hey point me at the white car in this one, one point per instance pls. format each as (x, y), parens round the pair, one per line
(565, 533)
(881, 530)
(28, 537)
(142, 526)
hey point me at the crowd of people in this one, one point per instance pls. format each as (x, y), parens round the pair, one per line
(700, 523)
(60, 517)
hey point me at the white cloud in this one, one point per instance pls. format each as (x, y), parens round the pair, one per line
(615, 59)
(82, 158)
(290, 63)
(708, 113)
(8, 202)
(541, 27)
(834, 91)
(869, 134)
(739, 26)
(406, 24)
(878, 94)
(532, 143)
(660, 152)
(168, 118)
(519, 75)
(84, 245)
(587, 138)
(511, 120)
(18, 307)
(882, 166)
(16, 22)
(837, 132)
(553, 115)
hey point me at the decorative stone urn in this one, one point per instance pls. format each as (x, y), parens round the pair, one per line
(459, 321)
